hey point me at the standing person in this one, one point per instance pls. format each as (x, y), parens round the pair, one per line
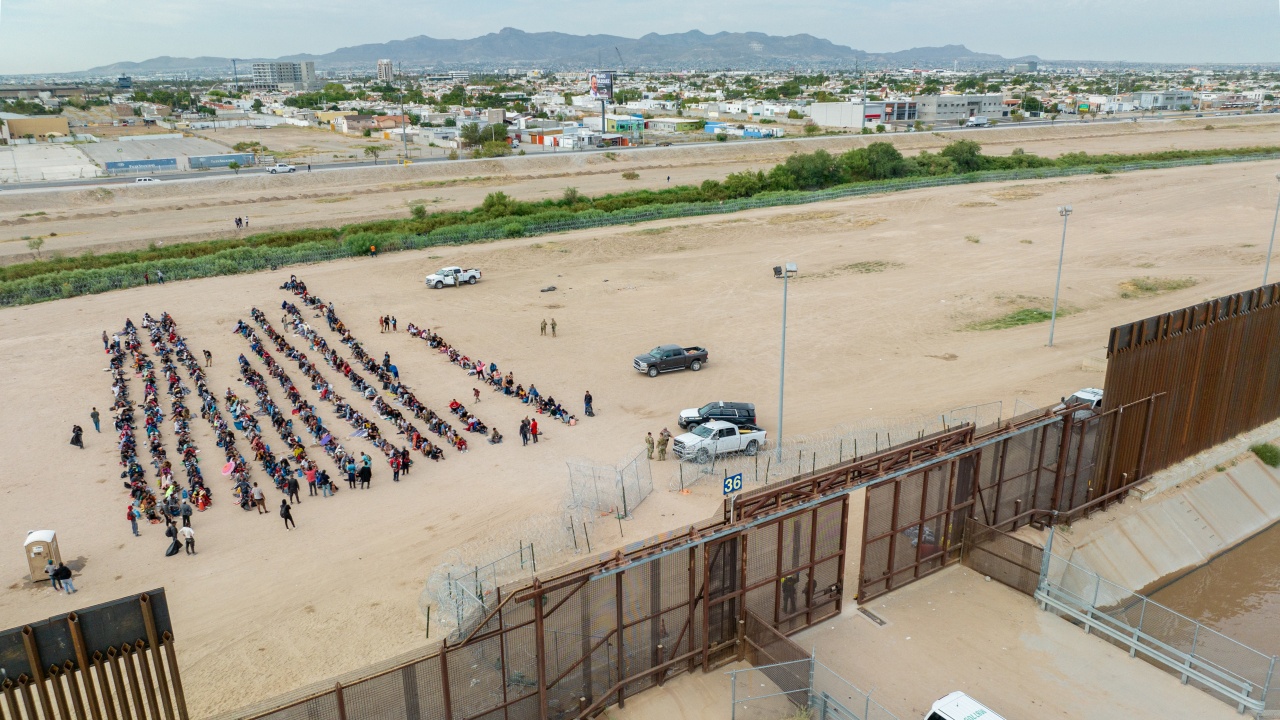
(146, 278)
(286, 514)
(533, 430)
(259, 499)
(586, 400)
(663, 438)
(544, 326)
(351, 473)
(382, 323)
(160, 276)
(393, 323)
(132, 516)
(246, 221)
(63, 573)
(524, 431)
(789, 593)
(648, 444)
(188, 538)
(326, 484)
(106, 342)
(553, 327)
(476, 393)
(208, 359)
(292, 486)
(395, 467)
(405, 461)
(311, 480)
(77, 436)
(95, 417)
(366, 474)
(52, 571)
(185, 513)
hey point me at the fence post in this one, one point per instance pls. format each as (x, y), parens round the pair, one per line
(1195, 640)
(1266, 688)
(1142, 614)
(733, 695)
(1097, 586)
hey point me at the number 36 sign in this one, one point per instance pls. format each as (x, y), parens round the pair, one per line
(732, 484)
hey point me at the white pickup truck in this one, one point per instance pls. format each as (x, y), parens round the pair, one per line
(452, 276)
(280, 168)
(718, 438)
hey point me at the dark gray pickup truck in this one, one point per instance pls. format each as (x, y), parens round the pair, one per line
(666, 358)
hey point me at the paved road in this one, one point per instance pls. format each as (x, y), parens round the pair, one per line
(339, 166)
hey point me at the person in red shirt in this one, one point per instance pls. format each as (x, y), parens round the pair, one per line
(533, 429)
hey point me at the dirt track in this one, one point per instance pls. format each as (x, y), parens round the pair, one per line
(260, 611)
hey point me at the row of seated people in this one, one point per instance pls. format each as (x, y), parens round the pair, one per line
(491, 376)
(226, 439)
(243, 416)
(179, 413)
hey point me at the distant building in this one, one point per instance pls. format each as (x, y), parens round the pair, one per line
(459, 76)
(1026, 67)
(495, 115)
(355, 123)
(32, 92)
(38, 128)
(957, 108)
(1163, 99)
(386, 71)
(851, 114)
(284, 76)
(124, 82)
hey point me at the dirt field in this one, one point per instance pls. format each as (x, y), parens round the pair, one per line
(257, 612)
(295, 144)
(103, 219)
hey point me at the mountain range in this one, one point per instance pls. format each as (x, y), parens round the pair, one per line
(553, 50)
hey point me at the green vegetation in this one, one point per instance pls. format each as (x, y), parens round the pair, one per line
(973, 239)
(1149, 286)
(1267, 453)
(630, 175)
(871, 266)
(1025, 316)
(877, 168)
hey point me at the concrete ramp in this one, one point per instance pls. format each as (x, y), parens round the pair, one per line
(1139, 543)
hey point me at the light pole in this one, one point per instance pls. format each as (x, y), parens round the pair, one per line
(783, 272)
(1065, 212)
(1267, 270)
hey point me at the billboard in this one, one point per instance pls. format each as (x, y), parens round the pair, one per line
(118, 166)
(601, 83)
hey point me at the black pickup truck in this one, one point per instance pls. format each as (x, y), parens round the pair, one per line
(666, 358)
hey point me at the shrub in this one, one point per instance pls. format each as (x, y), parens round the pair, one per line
(630, 175)
(1267, 453)
(418, 212)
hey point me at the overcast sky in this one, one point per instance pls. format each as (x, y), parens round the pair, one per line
(47, 36)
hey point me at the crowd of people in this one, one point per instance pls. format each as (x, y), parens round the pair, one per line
(490, 375)
(162, 342)
(385, 373)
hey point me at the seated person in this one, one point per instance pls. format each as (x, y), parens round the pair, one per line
(495, 438)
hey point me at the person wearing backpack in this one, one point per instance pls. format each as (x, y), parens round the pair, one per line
(132, 516)
(286, 514)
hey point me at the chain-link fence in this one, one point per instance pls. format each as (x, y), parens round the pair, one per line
(84, 282)
(1169, 640)
(799, 690)
(463, 595)
(816, 451)
(610, 489)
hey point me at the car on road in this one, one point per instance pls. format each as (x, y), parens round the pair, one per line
(718, 438)
(145, 180)
(666, 358)
(281, 168)
(738, 413)
(664, 144)
(452, 276)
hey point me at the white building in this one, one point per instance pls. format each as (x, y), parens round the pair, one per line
(386, 71)
(284, 76)
(957, 108)
(1163, 99)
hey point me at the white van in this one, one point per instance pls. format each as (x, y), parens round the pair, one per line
(958, 706)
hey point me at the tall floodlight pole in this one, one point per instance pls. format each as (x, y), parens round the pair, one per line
(783, 271)
(1065, 212)
(1267, 269)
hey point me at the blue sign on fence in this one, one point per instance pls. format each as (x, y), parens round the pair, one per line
(732, 484)
(153, 165)
(198, 162)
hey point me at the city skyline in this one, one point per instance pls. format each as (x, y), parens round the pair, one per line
(1177, 31)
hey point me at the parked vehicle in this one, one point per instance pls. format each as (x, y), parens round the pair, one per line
(1092, 397)
(718, 438)
(664, 143)
(666, 358)
(145, 180)
(452, 276)
(977, 121)
(281, 168)
(738, 413)
(958, 706)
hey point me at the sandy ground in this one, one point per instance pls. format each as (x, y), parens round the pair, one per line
(953, 631)
(102, 219)
(258, 612)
